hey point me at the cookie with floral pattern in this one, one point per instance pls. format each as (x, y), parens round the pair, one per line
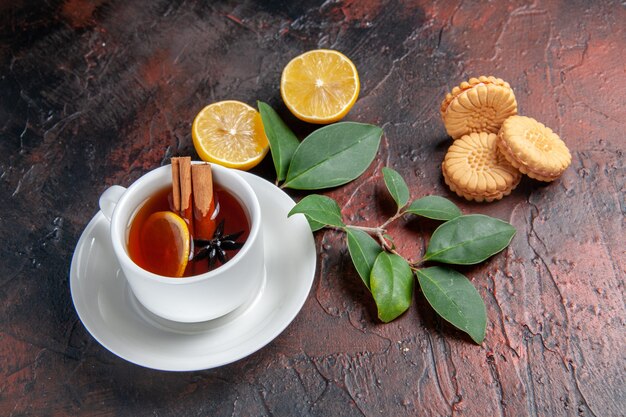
(478, 105)
(533, 148)
(475, 169)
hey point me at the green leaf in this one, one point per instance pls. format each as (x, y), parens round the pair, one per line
(363, 250)
(455, 299)
(283, 142)
(391, 282)
(397, 186)
(469, 239)
(333, 155)
(434, 207)
(319, 209)
(314, 225)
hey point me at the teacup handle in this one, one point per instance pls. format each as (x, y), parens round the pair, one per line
(109, 198)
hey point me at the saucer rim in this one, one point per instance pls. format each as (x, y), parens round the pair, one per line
(254, 343)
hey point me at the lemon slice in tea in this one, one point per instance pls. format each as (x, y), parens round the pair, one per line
(165, 241)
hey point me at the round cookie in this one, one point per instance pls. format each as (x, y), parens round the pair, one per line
(478, 105)
(474, 169)
(533, 148)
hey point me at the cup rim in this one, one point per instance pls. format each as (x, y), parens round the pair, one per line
(119, 239)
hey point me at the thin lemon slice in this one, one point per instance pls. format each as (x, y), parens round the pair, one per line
(320, 86)
(230, 133)
(165, 242)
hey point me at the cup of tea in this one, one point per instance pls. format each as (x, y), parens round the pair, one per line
(199, 296)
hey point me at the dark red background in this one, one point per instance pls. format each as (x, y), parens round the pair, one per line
(95, 93)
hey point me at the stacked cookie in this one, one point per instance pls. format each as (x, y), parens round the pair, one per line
(533, 148)
(493, 145)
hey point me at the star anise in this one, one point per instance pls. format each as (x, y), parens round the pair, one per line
(215, 248)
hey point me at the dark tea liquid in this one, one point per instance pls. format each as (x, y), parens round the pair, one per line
(230, 210)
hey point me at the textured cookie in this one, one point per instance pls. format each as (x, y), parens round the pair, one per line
(533, 148)
(475, 169)
(478, 105)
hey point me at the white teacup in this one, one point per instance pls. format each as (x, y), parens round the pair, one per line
(200, 297)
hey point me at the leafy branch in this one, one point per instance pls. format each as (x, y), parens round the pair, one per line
(336, 154)
(460, 240)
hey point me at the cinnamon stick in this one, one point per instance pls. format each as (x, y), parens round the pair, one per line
(203, 201)
(176, 185)
(182, 191)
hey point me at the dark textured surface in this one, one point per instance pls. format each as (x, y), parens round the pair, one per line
(95, 93)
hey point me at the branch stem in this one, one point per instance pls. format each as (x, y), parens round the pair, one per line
(379, 234)
(371, 230)
(392, 219)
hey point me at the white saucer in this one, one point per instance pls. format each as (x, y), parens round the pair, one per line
(113, 316)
